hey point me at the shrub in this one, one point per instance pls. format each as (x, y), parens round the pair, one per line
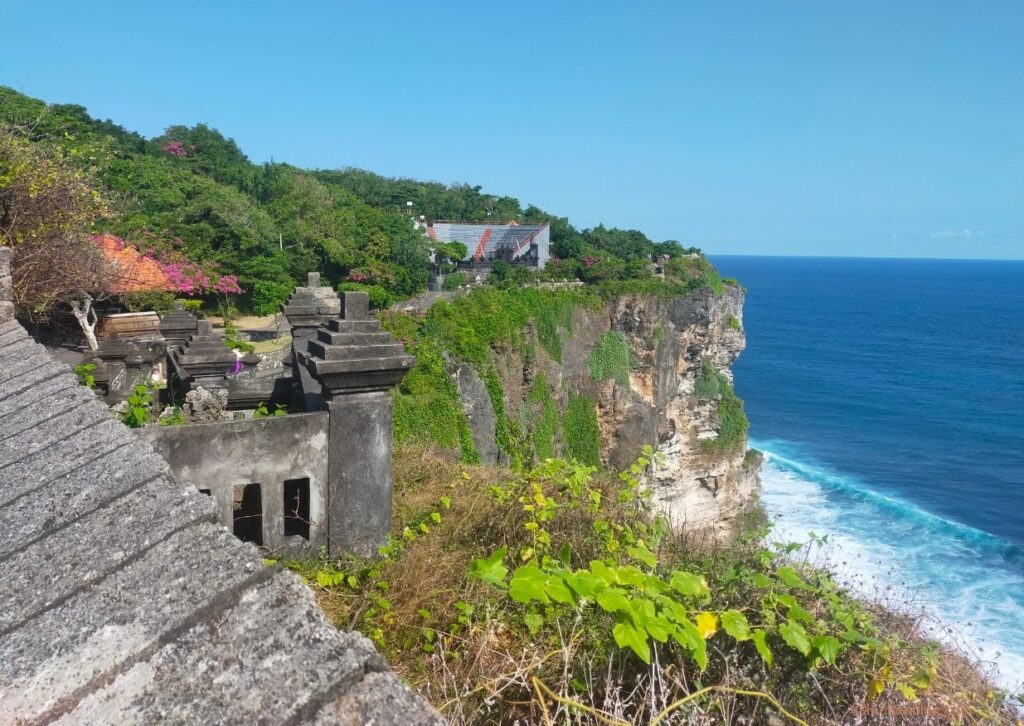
(559, 591)
(454, 281)
(268, 296)
(159, 302)
(732, 420)
(380, 298)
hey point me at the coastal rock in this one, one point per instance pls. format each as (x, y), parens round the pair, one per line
(699, 487)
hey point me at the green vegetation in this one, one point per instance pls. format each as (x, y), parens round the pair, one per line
(262, 411)
(554, 595)
(454, 281)
(139, 409)
(468, 329)
(734, 323)
(611, 358)
(732, 421)
(192, 196)
(581, 437)
(85, 373)
(545, 418)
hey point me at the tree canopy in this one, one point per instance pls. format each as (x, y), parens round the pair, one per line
(192, 192)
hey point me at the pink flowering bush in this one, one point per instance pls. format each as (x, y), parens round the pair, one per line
(356, 276)
(175, 148)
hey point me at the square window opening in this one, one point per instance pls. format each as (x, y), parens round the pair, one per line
(248, 513)
(296, 507)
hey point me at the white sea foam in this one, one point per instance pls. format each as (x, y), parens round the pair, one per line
(969, 583)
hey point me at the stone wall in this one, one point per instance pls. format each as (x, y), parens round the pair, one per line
(285, 457)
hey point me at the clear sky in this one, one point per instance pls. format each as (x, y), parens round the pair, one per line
(864, 128)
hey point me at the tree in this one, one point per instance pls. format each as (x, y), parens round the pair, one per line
(47, 207)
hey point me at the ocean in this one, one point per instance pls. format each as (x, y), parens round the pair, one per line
(888, 397)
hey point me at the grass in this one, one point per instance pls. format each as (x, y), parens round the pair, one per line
(480, 657)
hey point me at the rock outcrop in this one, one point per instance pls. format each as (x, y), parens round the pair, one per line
(699, 486)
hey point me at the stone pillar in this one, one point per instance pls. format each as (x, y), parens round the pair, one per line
(306, 310)
(204, 358)
(6, 287)
(178, 325)
(357, 364)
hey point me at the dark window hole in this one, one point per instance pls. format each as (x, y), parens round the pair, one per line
(248, 513)
(296, 507)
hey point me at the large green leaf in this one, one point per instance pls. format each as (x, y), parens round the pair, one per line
(827, 647)
(528, 585)
(735, 624)
(689, 584)
(795, 636)
(557, 590)
(626, 635)
(762, 647)
(585, 583)
(491, 569)
(613, 600)
(791, 577)
(641, 553)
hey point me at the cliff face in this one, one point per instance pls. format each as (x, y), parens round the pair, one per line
(653, 399)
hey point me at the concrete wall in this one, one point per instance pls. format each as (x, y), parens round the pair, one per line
(222, 455)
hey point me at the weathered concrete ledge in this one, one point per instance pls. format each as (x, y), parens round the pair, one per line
(122, 602)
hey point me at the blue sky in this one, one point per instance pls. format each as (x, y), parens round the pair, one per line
(868, 128)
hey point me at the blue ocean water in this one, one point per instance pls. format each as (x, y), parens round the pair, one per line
(888, 396)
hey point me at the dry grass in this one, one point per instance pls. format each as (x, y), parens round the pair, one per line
(485, 670)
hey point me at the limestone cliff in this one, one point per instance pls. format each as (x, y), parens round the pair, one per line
(647, 397)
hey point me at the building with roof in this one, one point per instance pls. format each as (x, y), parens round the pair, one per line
(511, 242)
(132, 271)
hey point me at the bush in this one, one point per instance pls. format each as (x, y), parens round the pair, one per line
(380, 298)
(454, 281)
(160, 302)
(268, 296)
(558, 590)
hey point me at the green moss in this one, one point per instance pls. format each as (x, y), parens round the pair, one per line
(734, 323)
(545, 421)
(581, 437)
(611, 358)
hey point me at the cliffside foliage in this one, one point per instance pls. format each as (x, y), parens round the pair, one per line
(581, 437)
(553, 595)
(544, 418)
(732, 420)
(611, 358)
(426, 403)
(193, 191)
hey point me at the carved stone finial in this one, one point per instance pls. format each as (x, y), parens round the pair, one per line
(310, 306)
